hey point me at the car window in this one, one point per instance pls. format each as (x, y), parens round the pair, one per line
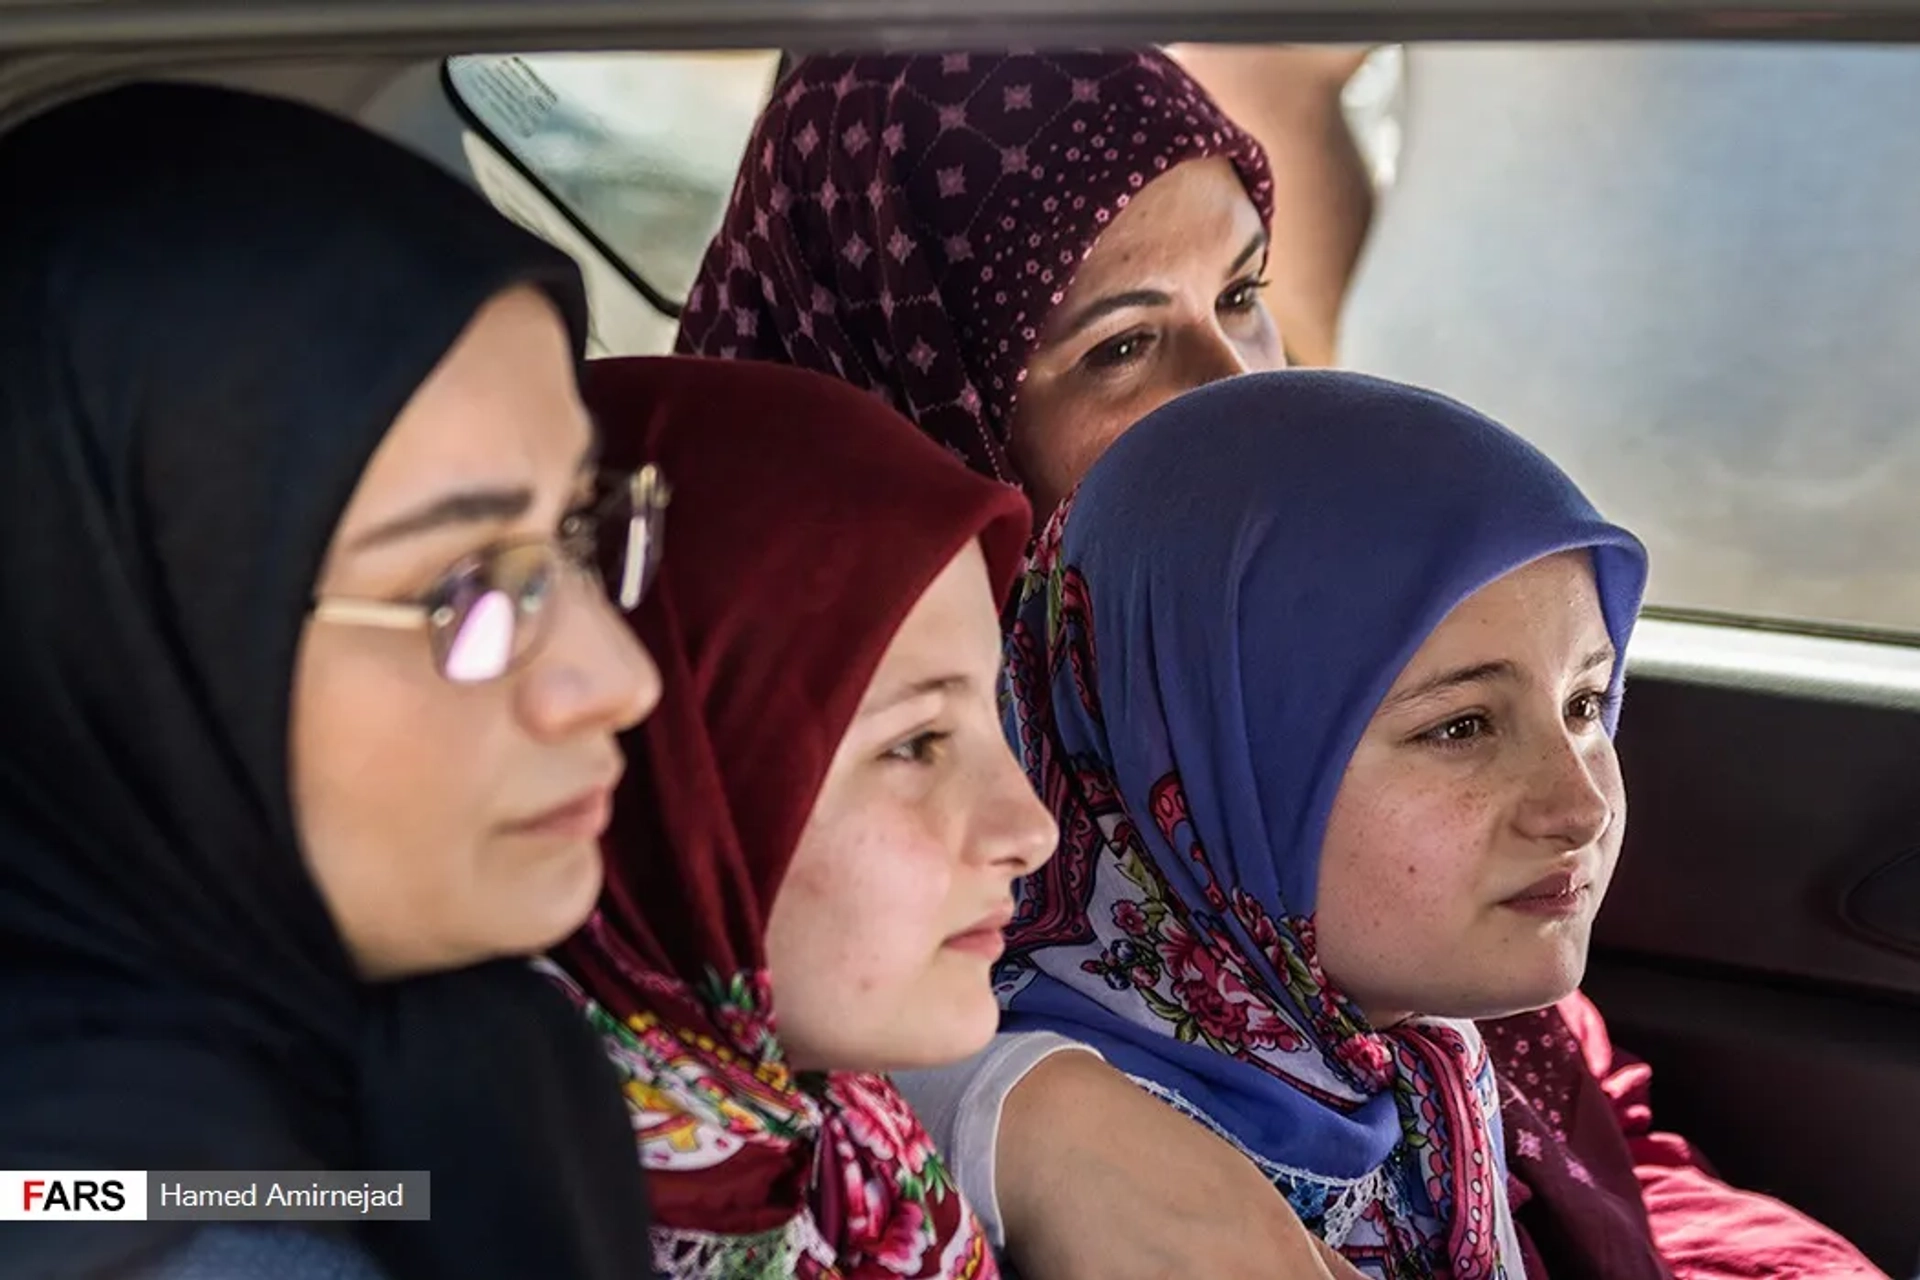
(640, 147)
(1688, 273)
(1684, 270)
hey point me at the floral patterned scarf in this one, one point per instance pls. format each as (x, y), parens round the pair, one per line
(1206, 630)
(807, 520)
(907, 222)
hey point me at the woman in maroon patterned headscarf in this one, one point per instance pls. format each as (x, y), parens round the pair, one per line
(1023, 253)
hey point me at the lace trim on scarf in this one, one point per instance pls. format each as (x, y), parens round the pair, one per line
(1346, 1200)
(684, 1254)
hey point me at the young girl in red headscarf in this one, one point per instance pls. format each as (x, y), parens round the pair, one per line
(812, 854)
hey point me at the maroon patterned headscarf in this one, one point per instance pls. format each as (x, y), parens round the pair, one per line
(908, 221)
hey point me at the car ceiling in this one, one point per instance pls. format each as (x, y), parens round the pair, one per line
(339, 53)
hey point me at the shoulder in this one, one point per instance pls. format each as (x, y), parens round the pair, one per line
(245, 1252)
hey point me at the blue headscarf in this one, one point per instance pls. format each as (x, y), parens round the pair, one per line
(1206, 632)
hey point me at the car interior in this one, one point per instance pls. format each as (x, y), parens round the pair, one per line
(1760, 946)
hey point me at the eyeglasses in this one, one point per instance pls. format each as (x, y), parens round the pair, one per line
(491, 611)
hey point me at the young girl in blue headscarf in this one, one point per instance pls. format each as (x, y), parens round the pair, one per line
(1320, 676)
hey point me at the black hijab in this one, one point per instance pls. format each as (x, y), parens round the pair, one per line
(212, 307)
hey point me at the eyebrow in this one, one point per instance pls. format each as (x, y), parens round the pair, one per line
(1601, 657)
(918, 689)
(1104, 307)
(1255, 248)
(1482, 672)
(468, 506)
(463, 507)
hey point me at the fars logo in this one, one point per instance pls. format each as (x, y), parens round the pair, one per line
(36, 1195)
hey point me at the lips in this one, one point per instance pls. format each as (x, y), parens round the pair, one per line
(1563, 893)
(584, 816)
(1558, 885)
(986, 936)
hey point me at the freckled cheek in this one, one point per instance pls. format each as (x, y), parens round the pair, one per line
(860, 934)
(1462, 824)
(810, 934)
(873, 955)
(1422, 859)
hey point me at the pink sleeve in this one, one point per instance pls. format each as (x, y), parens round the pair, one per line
(1705, 1229)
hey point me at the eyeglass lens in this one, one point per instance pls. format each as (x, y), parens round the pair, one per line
(491, 610)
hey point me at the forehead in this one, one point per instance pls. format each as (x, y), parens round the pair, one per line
(953, 626)
(1543, 610)
(1196, 214)
(500, 405)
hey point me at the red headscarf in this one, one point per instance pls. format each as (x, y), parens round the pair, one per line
(907, 222)
(807, 521)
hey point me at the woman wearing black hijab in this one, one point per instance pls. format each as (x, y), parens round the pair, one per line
(308, 725)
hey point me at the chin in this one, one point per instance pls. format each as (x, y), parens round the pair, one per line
(963, 1031)
(550, 906)
(1528, 991)
(1503, 982)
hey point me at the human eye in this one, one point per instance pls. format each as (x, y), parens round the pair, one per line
(924, 749)
(1457, 731)
(1590, 707)
(1118, 353)
(578, 533)
(1242, 296)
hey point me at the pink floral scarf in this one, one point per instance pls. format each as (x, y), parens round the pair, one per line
(719, 1119)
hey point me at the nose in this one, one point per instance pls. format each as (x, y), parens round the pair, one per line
(1211, 356)
(1573, 791)
(1014, 831)
(592, 675)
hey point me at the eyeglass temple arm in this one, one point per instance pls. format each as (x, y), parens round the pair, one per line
(369, 613)
(649, 495)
